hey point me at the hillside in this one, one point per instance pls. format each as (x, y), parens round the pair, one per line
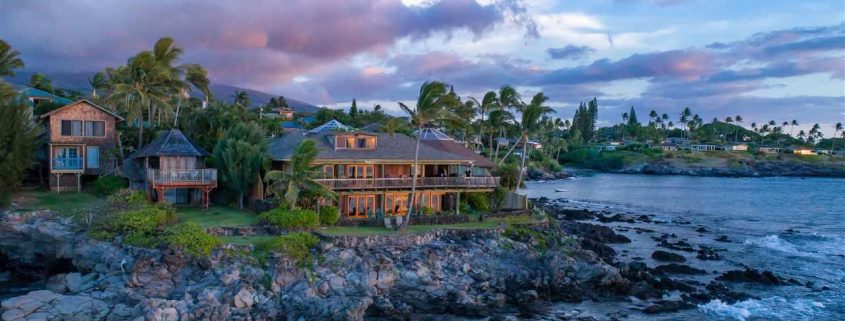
(79, 82)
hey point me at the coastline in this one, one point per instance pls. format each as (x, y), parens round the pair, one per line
(745, 169)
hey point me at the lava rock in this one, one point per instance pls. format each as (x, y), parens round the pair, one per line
(674, 268)
(750, 276)
(667, 256)
(664, 306)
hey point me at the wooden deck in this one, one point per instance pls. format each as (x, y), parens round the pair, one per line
(162, 180)
(406, 182)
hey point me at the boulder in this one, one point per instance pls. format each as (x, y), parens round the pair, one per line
(674, 268)
(665, 256)
(750, 276)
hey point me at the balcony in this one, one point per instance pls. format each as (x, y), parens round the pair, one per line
(67, 164)
(182, 177)
(406, 182)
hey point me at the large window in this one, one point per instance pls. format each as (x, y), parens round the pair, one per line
(396, 203)
(355, 142)
(83, 128)
(360, 171)
(361, 206)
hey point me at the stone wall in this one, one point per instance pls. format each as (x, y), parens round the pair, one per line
(408, 240)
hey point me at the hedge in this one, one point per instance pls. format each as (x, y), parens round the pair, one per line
(288, 218)
(329, 215)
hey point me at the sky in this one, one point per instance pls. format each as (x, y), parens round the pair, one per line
(764, 60)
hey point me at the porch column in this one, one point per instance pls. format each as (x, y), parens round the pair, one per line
(458, 204)
(78, 182)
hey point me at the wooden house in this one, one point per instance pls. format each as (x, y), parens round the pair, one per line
(81, 140)
(172, 168)
(373, 172)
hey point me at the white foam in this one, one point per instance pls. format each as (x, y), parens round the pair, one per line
(773, 242)
(773, 308)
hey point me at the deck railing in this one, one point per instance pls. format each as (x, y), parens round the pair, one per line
(182, 176)
(406, 182)
(67, 163)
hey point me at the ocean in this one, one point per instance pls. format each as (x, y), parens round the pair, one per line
(794, 227)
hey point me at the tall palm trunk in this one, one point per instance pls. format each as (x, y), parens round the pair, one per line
(413, 198)
(522, 165)
(509, 152)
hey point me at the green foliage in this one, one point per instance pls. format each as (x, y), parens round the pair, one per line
(478, 201)
(109, 184)
(294, 245)
(140, 227)
(300, 179)
(588, 158)
(427, 210)
(509, 174)
(329, 215)
(18, 142)
(497, 196)
(190, 238)
(541, 241)
(124, 199)
(239, 156)
(291, 218)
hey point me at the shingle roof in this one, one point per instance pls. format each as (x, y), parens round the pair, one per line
(395, 147)
(87, 102)
(172, 143)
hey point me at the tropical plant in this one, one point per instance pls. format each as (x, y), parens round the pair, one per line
(291, 218)
(98, 81)
(9, 59)
(836, 129)
(300, 178)
(241, 99)
(239, 156)
(433, 103)
(18, 142)
(530, 123)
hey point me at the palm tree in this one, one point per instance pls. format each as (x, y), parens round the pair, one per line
(624, 125)
(836, 129)
(792, 126)
(488, 103)
(9, 59)
(40, 81)
(802, 135)
(530, 124)
(393, 125)
(241, 98)
(433, 103)
(301, 178)
(728, 121)
(738, 120)
(98, 81)
(508, 99)
(139, 85)
(685, 114)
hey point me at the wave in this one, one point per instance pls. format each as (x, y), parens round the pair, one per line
(773, 242)
(801, 244)
(773, 308)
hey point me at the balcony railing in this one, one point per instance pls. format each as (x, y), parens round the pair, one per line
(205, 176)
(67, 163)
(406, 182)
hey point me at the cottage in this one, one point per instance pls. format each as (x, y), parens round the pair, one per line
(80, 140)
(702, 147)
(171, 168)
(373, 172)
(736, 147)
(804, 151)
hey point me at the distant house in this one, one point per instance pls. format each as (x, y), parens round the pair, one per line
(667, 148)
(610, 146)
(676, 141)
(804, 151)
(81, 136)
(769, 150)
(171, 168)
(820, 151)
(36, 95)
(286, 113)
(736, 147)
(702, 147)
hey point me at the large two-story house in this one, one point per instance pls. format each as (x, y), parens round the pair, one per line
(372, 172)
(80, 140)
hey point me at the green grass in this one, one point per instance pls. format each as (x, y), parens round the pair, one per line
(217, 216)
(64, 202)
(245, 240)
(474, 224)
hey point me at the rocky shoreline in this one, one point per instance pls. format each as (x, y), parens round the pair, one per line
(742, 169)
(496, 274)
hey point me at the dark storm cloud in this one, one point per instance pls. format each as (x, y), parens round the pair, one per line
(570, 52)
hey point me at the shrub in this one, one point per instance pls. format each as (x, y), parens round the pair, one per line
(140, 227)
(288, 218)
(294, 245)
(478, 201)
(191, 239)
(465, 208)
(427, 210)
(329, 215)
(109, 184)
(126, 198)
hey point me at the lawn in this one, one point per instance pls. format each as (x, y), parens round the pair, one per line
(217, 216)
(64, 202)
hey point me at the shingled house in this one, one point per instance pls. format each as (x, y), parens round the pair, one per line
(171, 168)
(372, 172)
(81, 136)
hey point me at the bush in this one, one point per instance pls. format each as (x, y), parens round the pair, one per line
(478, 201)
(124, 199)
(191, 239)
(288, 218)
(140, 227)
(109, 184)
(427, 210)
(329, 215)
(294, 245)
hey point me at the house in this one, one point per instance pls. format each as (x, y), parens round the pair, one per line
(81, 137)
(667, 148)
(769, 150)
(610, 146)
(702, 147)
(372, 172)
(37, 95)
(804, 151)
(823, 151)
(676, 141)
(171, 168)
(736, 147)
(286, 113)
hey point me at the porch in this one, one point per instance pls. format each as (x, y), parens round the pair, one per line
(161, 180)
(407, 182)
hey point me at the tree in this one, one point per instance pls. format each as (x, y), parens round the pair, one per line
(98, 81)
(18, 141)
(530, 125)
(738, 120)
(241, 98)
(239, 156)
(395, 125)
(9, 59)
(792, 126)
(508, 99)
(137, 86)
(684, 118)
(353, 111)
(40, 81)
(433, 103)
(836, 129)
(300, 179)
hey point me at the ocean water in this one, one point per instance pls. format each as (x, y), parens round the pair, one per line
(794, 227)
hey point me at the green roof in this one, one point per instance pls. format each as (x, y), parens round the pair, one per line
(30, 92)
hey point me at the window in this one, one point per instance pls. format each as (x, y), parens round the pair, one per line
(328, 170)
(71, 128)
(95, 128)
(359, 171)
(361, 205)
(353, 142)
(340, 143)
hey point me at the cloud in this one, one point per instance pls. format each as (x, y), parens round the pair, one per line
(570, 52)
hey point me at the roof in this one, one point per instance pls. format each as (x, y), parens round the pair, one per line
(34, 92)
(290, 124)
(171, 143)
(433, 134)
(332, 125)
(395, 147)
(87, 102)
